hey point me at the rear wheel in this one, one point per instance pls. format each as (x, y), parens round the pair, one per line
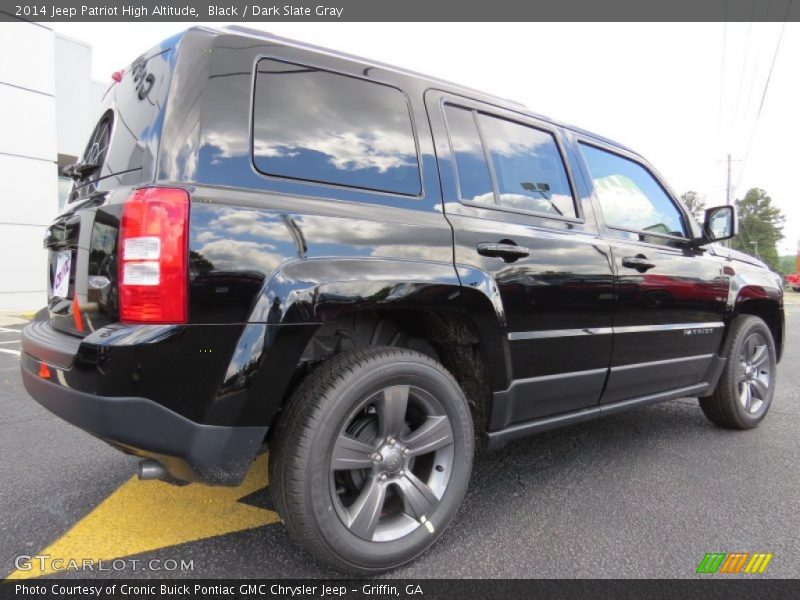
(372, 458)
(747, 384)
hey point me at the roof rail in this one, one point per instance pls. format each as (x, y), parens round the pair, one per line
(249, 31)
(267, 35)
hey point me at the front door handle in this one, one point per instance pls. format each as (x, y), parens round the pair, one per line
(638, 262)
(508, 252)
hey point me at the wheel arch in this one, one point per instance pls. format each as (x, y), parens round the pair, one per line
(769, 311)
(306, 304)
(755, 293)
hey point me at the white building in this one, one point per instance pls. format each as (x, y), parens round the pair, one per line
(47, 103)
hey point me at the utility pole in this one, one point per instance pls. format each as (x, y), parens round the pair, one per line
(728, 191)
(728, 186)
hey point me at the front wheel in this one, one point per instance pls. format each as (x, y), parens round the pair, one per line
(747, 384)
(372, 458)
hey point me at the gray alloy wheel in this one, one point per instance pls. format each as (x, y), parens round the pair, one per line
(755, 374)
(391, 463)
(746, 386)
(371, 458)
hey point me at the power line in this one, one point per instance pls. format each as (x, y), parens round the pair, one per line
(722, 70)
(744, 66)
(752, 79)
(763, 95)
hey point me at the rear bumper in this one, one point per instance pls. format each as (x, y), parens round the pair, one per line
(189, 451)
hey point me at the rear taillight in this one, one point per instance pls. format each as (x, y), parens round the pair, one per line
(153, 264)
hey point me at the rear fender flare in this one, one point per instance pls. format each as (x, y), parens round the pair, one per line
(481, 302)
(304, 294)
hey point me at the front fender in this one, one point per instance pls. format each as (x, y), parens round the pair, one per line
(746, 287)
(757, 292)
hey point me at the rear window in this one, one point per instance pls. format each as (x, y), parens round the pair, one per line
(90, 165)
(320, 126)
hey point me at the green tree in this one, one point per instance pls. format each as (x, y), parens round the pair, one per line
(786, 264)
(760, 227)
(694, 204)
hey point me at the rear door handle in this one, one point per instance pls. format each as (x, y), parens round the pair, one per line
(638, 262)
(508, 252)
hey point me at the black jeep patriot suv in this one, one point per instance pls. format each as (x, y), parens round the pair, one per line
(368, 271)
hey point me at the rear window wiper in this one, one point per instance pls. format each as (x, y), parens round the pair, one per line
(79, 170)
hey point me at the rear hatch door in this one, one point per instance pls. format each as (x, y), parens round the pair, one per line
(120, 155)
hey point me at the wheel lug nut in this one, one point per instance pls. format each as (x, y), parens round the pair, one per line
(382, 477)
(406, 450)
(401, 474)
(390, 440)
(376, 458)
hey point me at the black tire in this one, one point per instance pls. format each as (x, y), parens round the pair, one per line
(731, 405)
(307, 491)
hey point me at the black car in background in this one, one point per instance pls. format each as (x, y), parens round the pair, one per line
(372, 272)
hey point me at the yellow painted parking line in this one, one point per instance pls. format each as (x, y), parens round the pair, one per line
(142, 516)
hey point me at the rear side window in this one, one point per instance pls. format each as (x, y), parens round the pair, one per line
(629, 196)
(325, 127)
(529, 174)
(528, 167)
(474, 181)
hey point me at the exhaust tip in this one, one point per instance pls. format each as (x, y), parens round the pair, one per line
(151, 469)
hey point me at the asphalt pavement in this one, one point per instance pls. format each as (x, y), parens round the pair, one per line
(642, 494)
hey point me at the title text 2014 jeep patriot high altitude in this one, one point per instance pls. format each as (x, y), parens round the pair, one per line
(368, 270)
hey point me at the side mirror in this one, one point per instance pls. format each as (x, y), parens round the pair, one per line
(719, 223)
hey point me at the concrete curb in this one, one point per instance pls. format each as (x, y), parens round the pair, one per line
(15, 317)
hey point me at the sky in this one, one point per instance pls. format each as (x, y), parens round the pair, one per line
(684, 95)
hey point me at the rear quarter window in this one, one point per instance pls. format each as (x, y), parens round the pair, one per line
(325, 127)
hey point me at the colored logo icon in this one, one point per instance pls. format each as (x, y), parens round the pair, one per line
(734, 562)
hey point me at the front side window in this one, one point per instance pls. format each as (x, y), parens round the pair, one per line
(528, 167)
(629, 196)
(320, 126)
